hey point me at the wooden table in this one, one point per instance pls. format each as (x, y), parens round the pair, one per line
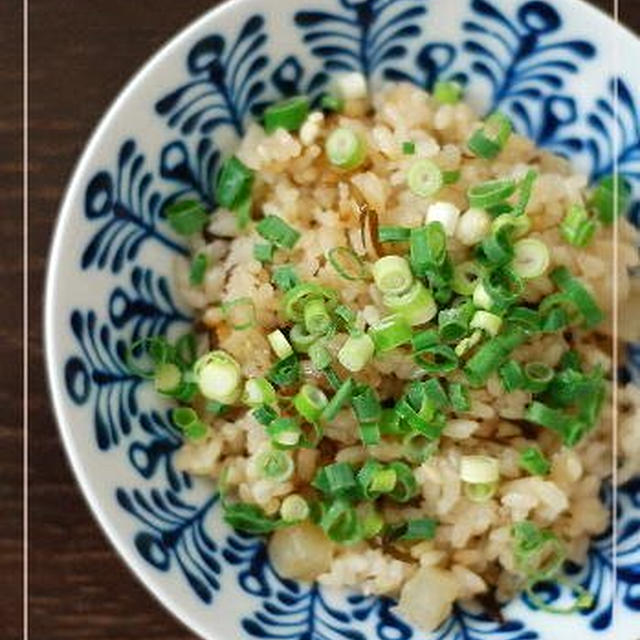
(82, 52)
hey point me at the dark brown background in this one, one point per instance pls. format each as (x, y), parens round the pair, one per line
(82, 52)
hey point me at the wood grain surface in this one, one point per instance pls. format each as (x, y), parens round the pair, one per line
(82, 52)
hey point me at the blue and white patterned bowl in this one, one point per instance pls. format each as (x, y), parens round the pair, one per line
(550, 66)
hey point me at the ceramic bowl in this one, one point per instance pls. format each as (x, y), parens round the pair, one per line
(550, 66)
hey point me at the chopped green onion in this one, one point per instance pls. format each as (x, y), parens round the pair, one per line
(556, 320)
(243, 211)
(240, 313)
(611, 197)
(285, 278)
(285, 372)
(435, 393)
(416, 305)
(333, 103)
(263, 251)
(345, 148)
(428, 247)
(390, 423)
(348, 265)
(512, 376)
(408, 148)
(418, 447)
(516, 226)
(537, 376)
(424, 339)
(275, 230)
(219, 377)
(533, 461)
(275, 464)
(451, 177)
(340, 398)
(421, 529)
(279, 344)
(288, 114)
(393, 233)
(430, 428)
(492, 355)
(503, 287)
(392, 275)
(447, 92)
(340, 478)
(466, 344)
(320, 356)
(479, 469)
(525, 318)
(489, 322)
(578, 228)
(284, 433)
(424, 178)
(539, 554)
(316, 317)
(406, 486)
(369, 433)
(309, 402)
(480, 491)
(258, 391)
(371, 522)
(489, 141)
(570, 428)
(436, 359)
(495, 249)
(453, 323)
(167, 378)
(375, 479)
(187, 217)
(531, 258)
(187, 420)
(249, 518)
(198, 269)
(296, 299)
(235, 181)
(491, 193)
(265, 414)
(356, 352)
(579, 296)
(300, 339)
(459, 397)
(332, 378)
(366, 405)
(216, 408)
(526, 187)
(294, 508)
(340, 522)
(391, 332)
(466, 277)
(346, 319)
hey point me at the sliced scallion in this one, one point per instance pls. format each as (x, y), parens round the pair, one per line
(391, 332)
(219, 377)
(416, 305)
(356, 352)
(345, 148)
(489, 141)
(531, 258)
(424, 178)
(288, 114)
(275, 230)
(240, 313)
(187, 217)
(310, 402)
(348, 265)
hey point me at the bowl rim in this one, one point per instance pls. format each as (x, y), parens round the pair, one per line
(74, 183)
(116, 539)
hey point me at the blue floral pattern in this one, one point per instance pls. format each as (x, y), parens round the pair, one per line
(520, 52)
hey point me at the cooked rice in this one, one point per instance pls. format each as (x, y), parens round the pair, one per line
(471, 552)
